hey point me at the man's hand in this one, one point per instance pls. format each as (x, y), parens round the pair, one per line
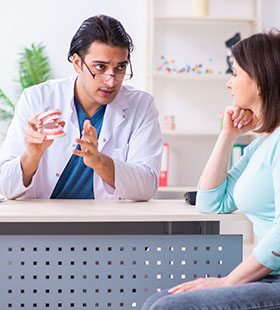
(89, 146)
(103, 165)
(35, 140)
(36, 145)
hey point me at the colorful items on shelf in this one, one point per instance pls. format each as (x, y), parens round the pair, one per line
(170, 66)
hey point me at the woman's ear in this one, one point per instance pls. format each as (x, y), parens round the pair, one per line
(258, 91)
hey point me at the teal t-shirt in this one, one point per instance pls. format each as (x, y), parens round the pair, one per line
(253, 187)
(76, 180)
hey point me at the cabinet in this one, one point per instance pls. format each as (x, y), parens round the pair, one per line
(186, 76)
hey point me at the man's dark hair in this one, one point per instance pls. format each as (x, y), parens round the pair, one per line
(259, 56)
(100, 28)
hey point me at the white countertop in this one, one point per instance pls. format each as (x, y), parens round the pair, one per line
(106, 211)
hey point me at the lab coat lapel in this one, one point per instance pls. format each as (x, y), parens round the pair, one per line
(115, 115)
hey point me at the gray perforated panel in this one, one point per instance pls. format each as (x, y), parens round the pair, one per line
(106, 272)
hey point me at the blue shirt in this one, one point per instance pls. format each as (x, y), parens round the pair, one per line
(253, 187)
(76, 180)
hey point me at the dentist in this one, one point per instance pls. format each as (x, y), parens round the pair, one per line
(112, 147)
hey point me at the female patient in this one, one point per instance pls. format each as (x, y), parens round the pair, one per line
(252, 186)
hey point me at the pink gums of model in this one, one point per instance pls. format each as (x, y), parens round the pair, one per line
(48, 124)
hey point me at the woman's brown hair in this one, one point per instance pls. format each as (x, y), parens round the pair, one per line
(259, 56)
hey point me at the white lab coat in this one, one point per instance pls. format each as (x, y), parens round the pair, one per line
(130, 135)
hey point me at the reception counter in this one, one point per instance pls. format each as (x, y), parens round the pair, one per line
(83, 254)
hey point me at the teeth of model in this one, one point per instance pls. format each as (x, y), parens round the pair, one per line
(49, 119)
(52, 130)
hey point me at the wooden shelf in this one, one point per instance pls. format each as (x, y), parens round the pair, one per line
(192, 76)
(187, 133)
(210, 20)
(175, 133)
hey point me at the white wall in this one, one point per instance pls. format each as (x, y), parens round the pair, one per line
(54, 23)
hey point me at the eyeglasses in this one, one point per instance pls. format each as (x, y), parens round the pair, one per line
(105, 77)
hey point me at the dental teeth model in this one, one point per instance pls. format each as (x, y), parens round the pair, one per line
(49, 124)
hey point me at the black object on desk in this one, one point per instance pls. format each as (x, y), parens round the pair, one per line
(190, 197)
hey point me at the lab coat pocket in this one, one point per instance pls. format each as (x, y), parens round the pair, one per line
(121, 153)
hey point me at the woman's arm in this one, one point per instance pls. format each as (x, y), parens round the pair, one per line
(235, 123)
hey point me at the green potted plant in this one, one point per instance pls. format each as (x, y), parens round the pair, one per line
(34, 68)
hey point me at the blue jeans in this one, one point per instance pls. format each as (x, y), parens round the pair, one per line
(263, 294)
